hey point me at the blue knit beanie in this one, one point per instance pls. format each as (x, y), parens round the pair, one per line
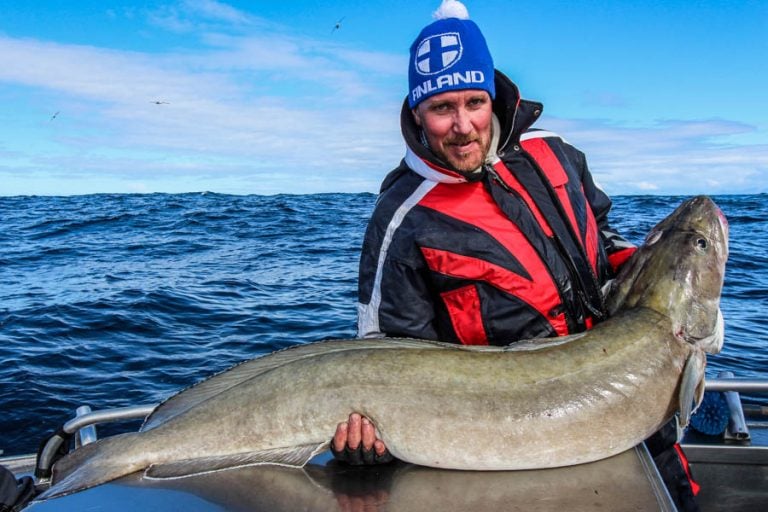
(449, 54)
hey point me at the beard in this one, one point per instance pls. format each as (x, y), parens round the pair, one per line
(465, 161)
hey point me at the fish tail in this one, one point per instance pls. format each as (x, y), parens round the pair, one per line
(91, 465)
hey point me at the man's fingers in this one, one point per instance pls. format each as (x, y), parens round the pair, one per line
(380, 447)
(355, 442)
(354, 433)
(340, 437)
(368, 434)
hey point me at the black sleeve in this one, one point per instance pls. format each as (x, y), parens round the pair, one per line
(395, 303)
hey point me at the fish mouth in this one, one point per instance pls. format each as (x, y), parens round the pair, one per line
(712, 343)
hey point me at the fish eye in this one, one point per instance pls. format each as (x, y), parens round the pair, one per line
(702, 243)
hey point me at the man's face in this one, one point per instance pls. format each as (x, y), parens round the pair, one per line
(458, 126)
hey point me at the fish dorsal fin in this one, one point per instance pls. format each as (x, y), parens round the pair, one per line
(295, 456)
(207, 389)
(542, 343)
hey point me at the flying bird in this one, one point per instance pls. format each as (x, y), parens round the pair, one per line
(160, 102)
(54, 116)
(337, 26)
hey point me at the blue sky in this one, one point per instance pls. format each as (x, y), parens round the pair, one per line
(264, 97)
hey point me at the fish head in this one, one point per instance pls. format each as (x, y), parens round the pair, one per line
(679, 272)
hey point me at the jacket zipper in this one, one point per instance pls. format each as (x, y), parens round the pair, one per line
(581, 290)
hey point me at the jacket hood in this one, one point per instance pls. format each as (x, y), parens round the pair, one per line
(514, 114)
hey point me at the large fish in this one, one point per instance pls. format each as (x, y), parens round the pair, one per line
(534, 404)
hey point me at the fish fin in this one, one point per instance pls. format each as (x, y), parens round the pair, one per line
(295, 456)
(539, 343)
(89, 466)
(212, 387)
(691, 386)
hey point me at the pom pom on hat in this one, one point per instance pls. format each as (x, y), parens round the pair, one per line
(449, 54)
(451, 9)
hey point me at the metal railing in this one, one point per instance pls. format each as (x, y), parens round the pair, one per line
(738, 385)
(731, 387)
(82, 426)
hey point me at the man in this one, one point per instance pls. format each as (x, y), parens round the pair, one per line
(489, 231)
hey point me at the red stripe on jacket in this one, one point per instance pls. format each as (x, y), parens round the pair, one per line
(618, 258)
(472, 204)
(466, 316)
(557, 177)
(540, 297)
(511, 180)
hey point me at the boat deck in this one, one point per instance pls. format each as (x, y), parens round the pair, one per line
(733, 474)
(628, 481)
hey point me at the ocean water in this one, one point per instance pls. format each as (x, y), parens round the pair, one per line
(118, 300)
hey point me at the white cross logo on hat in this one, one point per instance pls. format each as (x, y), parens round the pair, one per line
(439, 52)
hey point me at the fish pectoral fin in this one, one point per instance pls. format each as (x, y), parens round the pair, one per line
(691, 386)
(294, 456)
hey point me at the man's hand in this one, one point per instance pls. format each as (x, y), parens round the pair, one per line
(355, 442)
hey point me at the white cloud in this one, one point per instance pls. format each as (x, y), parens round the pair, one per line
(670, 157)
(196, 15)
(98, 74)
(236, 107)
(218, 11)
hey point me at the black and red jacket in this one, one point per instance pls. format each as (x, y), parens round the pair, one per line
(517, 250)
